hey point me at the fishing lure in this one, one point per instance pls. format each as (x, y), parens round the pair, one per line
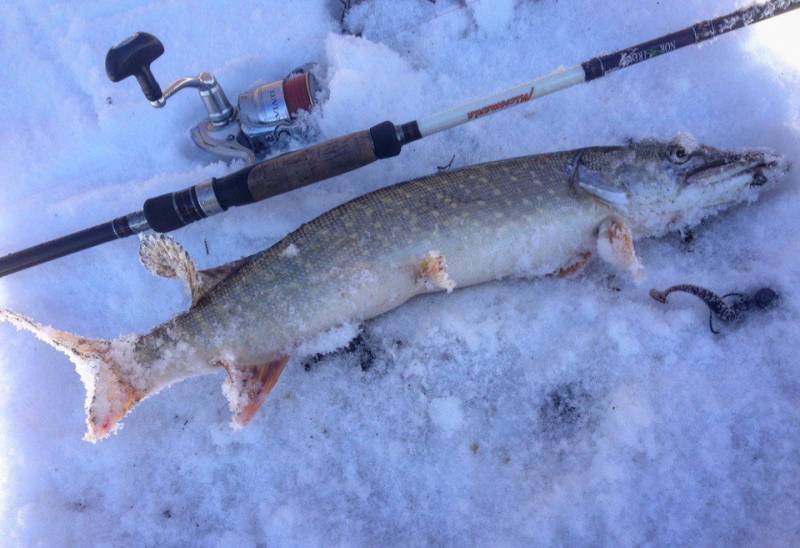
(762, 299)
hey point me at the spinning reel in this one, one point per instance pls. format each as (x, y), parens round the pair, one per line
(264, 116)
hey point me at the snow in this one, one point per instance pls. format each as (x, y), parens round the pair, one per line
(446, 414)
(546, 412)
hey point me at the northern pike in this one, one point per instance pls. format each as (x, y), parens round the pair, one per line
(523, 217)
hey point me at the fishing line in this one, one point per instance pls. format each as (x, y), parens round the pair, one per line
(347, 153)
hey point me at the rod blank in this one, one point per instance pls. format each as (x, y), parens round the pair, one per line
(54, 249)
(341, 155)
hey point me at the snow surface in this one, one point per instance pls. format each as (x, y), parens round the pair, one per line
(548, 412)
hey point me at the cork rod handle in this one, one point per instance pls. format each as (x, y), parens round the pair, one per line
(307, 166)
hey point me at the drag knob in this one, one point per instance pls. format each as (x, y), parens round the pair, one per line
(132, 57)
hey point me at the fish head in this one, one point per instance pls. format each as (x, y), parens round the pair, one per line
(659, 186)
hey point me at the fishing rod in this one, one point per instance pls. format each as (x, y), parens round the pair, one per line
(334, 157)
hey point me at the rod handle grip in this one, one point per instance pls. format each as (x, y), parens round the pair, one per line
(322, 161)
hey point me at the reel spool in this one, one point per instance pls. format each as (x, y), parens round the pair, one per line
(264, 116)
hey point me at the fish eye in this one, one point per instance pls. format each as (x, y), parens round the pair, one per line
(678, 154)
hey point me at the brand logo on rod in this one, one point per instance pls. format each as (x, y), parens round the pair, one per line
(635, 55)
(500, 105)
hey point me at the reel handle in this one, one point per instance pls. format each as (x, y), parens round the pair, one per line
(132, 57)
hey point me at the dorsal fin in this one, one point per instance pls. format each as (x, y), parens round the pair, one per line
(163, 256)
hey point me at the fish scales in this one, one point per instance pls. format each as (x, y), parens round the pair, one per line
(529, 216)
(457, 213)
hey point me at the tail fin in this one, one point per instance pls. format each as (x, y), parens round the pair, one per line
(109, 396)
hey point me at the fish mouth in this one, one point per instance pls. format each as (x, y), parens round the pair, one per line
(758, 165)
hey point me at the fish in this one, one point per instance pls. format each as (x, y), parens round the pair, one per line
(538, 215)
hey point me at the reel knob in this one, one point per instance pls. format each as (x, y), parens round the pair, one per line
(132, 57)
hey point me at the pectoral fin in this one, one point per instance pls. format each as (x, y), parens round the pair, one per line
(163, 256)
(248, 386)
(615, 246)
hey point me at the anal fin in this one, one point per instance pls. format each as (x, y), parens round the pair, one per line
(248, 386)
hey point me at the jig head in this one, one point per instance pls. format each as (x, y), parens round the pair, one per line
(762, 299)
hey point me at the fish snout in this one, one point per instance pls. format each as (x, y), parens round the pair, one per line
(769, 166)
(761, 166)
